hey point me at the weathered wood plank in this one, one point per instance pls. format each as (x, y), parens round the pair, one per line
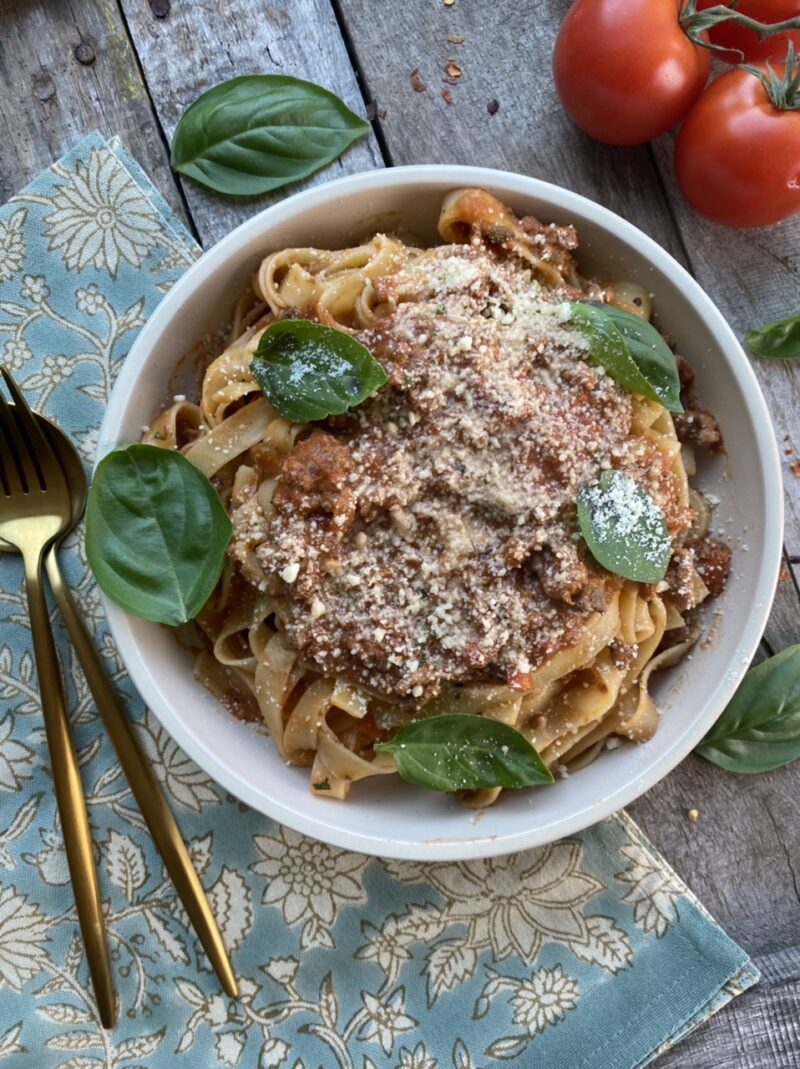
(191, 47)
(67, 69)
(505, 57)
(783, 627)
(760, 1030)
(740, 858)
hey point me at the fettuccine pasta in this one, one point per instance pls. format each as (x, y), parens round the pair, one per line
(420, 554)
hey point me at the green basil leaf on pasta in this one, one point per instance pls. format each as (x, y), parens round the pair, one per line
(252, 134)
(631, 350)
(624, 528)
(156, 533)
(309, 371)
(465, 753)
(778, 341)
(651, 354)
(760, 727)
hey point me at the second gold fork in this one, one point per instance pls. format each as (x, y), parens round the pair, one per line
(144, 785)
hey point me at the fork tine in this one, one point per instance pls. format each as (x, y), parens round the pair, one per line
(38, 452)
(14, 474)
(5, 485)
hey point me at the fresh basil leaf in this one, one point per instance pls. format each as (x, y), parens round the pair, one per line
(778, 341)
(253, 134)
(156, 533)
(651, 354)
(309, 371)
(631, 350)
(624, 528)
(760, 727)
(465, 753)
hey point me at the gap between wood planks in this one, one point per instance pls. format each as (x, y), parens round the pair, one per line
(156, 119)
(362, 82)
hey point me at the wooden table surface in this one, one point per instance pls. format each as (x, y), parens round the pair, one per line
(131, 67)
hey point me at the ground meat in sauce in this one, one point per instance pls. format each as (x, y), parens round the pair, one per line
(707, 558)
(435, 540)
(698, 426)
(686, 376)
(681, 580)
(712, 559)
(240, 706)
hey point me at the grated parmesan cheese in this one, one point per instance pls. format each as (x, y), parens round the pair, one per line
(439, 533)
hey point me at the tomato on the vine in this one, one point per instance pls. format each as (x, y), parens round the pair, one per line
(738, 153)
(626, 70)
(742, 43)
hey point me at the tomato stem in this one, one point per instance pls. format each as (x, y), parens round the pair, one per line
(695, 23)
(782, 89)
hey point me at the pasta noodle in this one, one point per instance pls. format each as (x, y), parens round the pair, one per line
(572, 687)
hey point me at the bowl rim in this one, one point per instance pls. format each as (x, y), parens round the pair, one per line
(510, 183)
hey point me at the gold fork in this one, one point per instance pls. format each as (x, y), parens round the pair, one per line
(34, 510)
(144, 785)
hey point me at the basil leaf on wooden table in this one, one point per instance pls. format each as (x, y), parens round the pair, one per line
(256, 133)
(156, 533)
(465, 753)
(309, 371)
(778, 341)
(631, 350)
(624, 528)
(760, 728)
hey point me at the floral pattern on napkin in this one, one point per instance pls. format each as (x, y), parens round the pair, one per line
(586, 952)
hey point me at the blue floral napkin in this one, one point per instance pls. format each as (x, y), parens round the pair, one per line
(590, 952)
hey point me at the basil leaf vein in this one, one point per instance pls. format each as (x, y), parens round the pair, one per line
(309, 371)
(760, 727)
(156, 533)
(456, 753)
(631, 350)
(777, 341)
(624, 528)
(258, 132)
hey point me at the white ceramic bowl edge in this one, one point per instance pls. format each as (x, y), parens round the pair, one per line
(392, 819)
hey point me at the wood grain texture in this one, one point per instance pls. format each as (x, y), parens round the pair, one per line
(66, 69)
(198, 44)
(783, 627)
(760, 1030)
(503, 58)
(741, 857)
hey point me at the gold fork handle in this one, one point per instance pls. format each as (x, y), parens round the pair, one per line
(144, 785)
(69, 794)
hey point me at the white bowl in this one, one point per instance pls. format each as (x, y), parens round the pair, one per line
(391, 818)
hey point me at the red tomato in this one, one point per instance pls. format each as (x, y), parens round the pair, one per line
(745, 44)
(738, 156)
(625, 70)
